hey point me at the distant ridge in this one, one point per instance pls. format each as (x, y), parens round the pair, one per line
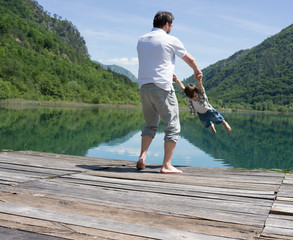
(118, 69)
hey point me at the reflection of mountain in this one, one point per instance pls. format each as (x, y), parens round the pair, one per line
(256, 141)
(123, 139)
(68, 131)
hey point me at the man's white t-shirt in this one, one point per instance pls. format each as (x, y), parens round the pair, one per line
(156, 54)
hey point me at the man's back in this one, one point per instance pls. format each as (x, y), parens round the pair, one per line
(156, 54)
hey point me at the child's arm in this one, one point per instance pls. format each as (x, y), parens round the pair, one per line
(200, 86)
(180, 84)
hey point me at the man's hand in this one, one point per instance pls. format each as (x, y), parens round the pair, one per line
(198, 75)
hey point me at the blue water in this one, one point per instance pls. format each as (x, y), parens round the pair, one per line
(185, 154)
(256, 140)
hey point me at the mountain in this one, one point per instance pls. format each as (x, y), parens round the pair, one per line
(259, 78)
(45, 58)
(120, 70)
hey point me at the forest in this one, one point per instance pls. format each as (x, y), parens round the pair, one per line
(45, 58)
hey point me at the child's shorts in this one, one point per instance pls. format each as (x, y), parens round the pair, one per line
(211, 116)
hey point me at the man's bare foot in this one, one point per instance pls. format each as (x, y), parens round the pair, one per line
(227, 126)
(140, 164)
(213, 129)
(170, 169)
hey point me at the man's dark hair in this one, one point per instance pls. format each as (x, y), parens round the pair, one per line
(162, 18)
(190, 90)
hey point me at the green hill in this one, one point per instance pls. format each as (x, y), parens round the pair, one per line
(259, 78)
(45, 58)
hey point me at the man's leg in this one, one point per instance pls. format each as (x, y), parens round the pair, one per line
(168, 153)
(146, 140)
(151, 118)
(170, 116)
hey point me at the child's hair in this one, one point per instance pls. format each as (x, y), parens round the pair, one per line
(190, 90)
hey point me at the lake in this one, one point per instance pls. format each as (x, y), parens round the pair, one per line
(256, 140)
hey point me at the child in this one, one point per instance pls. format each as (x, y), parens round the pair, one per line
(198, 101)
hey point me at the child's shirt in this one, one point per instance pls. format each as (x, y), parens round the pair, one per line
(202, 104)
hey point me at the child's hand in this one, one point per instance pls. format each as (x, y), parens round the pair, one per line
(198, 75)
(175, 78)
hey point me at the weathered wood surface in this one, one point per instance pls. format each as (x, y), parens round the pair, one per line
(280, 220)
(51, 196)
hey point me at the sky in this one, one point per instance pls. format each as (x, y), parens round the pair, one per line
(211, 30)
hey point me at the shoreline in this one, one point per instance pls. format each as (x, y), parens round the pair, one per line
(17, 103)
(27, 103)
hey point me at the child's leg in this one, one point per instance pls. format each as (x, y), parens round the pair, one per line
(213, 128)
(227, 126)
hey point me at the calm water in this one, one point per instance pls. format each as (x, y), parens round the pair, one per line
(256, 141)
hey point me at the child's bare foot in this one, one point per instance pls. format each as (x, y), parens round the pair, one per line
(140, 164)
(227, 126)
(213, 129)
(170, 169)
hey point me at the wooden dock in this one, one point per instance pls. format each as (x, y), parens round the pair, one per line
(54, 197)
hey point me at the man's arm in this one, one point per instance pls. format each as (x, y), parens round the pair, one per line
(189, 59)
(180, 84)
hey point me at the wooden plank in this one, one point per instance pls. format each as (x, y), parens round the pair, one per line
(262, 176)
(278, 231)
(64, 162)
(282, 208)
(16, 178)
(230, 172)
(22, 176)
(103, 224)
(12, 234)
(233, 174)
(7, 167)
(24, 156)
(286, 191)
(57, 161)
(270, 236)
(120, 194)
(61, 230)
(288, 199)
(176, 205)
(211, 199)
(278, 222)
(280, 216)
(170, 188)
(186, 179)
(70, 205)
(288, 181)
(197, 192)
(3, 182)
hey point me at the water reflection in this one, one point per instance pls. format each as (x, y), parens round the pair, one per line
(185, 153)
(256, 141)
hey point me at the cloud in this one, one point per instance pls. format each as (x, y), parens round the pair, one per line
(252, 26)
(120, 61)
(120, 150)
(108, 36)
(96, 34)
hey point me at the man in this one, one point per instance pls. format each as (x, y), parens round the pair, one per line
(156, 54)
